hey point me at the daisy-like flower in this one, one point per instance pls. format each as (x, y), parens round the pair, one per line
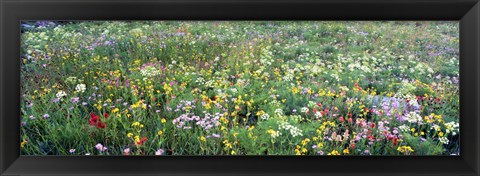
(72, 150)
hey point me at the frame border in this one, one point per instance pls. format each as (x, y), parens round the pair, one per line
(467, 12)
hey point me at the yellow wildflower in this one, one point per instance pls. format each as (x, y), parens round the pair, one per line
(405, 149)
(23, 143)
(202, 138)
(334, 152)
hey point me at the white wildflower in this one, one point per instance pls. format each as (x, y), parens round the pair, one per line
(149, 71)
(413, 117)
(265, 116)
(279, 112)
(404, 128)
(304, 110)
(294, 131)
(61, 94)
(80, 88)
(443, 140)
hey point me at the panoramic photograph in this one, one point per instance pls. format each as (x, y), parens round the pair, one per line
(190, 88)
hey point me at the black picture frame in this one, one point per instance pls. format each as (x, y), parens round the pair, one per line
(467, 12)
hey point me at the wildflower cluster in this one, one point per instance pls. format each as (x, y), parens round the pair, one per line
(240, 88)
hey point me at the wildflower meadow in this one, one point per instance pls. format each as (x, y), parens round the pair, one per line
(239, 88)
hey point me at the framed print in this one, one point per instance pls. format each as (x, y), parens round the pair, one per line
(240, 87)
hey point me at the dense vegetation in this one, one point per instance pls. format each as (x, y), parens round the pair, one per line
(240, 88)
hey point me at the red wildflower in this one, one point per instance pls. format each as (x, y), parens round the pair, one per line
(95, 120)
(358, 87)
(350, 120)
(372, 125)
(371, 137)
(341, 119)
(141, 141)
(352, 146)
(100, 125)
(389, 137)
(319, 104)
(92, 122)
(106, 115)
(395, 140)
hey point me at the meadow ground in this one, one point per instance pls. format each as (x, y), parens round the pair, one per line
(239, 88)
